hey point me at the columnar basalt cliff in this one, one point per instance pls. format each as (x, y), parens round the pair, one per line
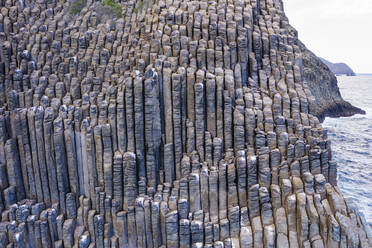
(176, 124)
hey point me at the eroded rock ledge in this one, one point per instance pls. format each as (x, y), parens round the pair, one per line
(179, 124)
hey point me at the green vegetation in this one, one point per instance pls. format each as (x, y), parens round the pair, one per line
(114, 6)
(77, 6)
(140, 5)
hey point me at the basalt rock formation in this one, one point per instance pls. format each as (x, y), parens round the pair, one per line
(178, 124)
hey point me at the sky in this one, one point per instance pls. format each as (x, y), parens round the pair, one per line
(337, 30)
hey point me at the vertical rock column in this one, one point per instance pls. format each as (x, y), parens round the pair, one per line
(99, 154)
(107, 159)
(60, 161)
(14, 170)
(139, 128)
(69, 137)
(41, 155)
(152, 127)
(121, 125)
(25, 156)
(177, 122)
(35, 163)
(129, 179)
(199, 118)
(91, 162)
(129, 104)
(84, 182)
(117, 179)
(49, 155)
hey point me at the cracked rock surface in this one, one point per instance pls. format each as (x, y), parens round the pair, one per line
(176, 124)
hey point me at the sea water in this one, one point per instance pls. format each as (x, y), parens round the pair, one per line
(351, 142)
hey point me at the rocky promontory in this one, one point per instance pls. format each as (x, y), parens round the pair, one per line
(323, 85)
(166, 123)
(339, 68)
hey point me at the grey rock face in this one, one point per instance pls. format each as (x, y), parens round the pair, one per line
(170, 124)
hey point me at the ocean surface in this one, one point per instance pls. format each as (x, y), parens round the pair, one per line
(351, 140)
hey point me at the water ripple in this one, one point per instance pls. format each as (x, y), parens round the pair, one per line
(352, 143)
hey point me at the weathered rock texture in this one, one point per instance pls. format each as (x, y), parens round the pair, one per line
(180, 124)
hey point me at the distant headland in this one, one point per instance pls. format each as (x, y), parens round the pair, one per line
(339, 68)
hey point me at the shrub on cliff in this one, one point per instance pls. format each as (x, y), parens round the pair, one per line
(77, 6)
(140, 5)
(116, 8)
